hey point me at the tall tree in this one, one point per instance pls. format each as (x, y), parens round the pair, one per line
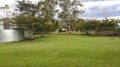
(71, 9)
(27, 13)
(26, 7)
(36, 16)
(47, 9)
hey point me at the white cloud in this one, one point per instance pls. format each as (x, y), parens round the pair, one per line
(100, 3)
(101, 9)
(3, 2)
(93, 8)
(11, 4)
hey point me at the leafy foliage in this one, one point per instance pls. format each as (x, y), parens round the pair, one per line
(70, 11)
(97, 27)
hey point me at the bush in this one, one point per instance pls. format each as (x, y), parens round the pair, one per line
(104, 27)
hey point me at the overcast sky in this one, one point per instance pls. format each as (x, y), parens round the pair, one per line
(93, 8)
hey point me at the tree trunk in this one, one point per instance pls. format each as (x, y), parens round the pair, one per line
(42, 35)
(69, 27)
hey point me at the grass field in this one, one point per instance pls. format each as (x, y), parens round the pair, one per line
(62, 51)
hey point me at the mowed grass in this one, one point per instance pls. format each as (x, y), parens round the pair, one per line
(62, 51)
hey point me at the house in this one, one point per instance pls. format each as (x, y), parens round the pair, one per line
(6, 25)
(9, 34)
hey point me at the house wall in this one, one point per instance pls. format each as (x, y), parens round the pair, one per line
(1, 25)
(4, 25)
(11, 35)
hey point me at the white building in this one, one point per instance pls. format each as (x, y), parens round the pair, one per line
(8, 34)
(1, 25)
(6, 25)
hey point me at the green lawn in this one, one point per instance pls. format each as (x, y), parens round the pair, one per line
(62, 51)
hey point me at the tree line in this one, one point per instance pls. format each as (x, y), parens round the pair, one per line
(46, 16)
(106, 27)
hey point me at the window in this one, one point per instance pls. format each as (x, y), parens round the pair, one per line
(6, 25)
